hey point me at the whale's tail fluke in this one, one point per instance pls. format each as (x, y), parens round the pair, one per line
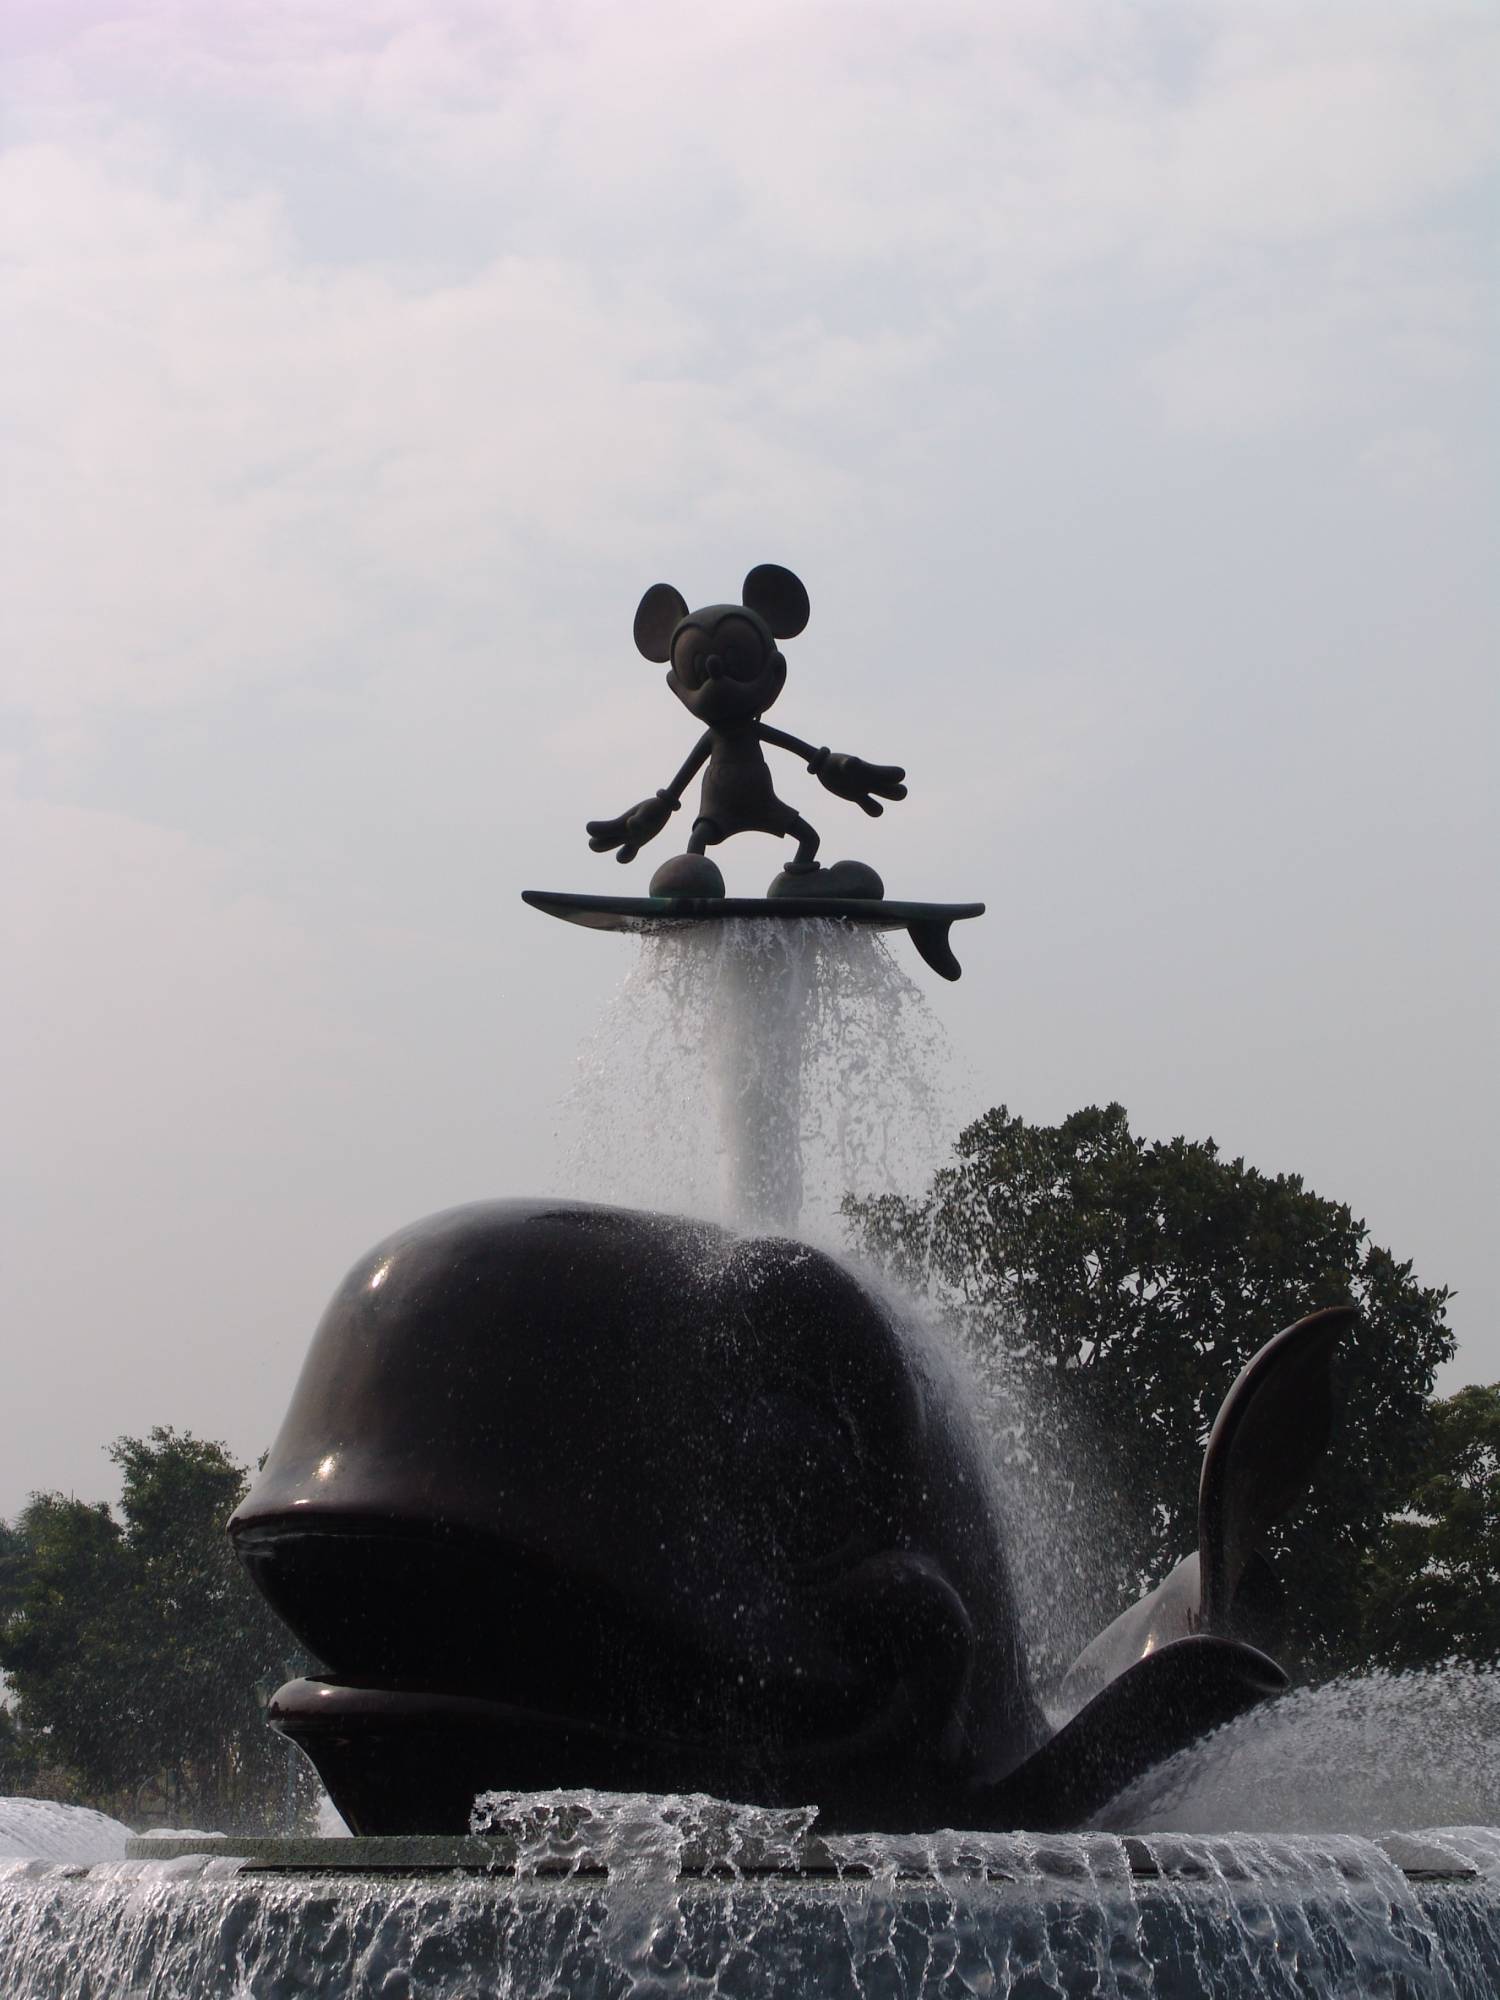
(1271, 1430)
(1180, 1662)
(1158, 1705)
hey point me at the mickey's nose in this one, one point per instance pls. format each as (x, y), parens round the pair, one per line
(713, 667)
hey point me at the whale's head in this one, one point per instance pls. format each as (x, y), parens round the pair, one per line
(668, 1506)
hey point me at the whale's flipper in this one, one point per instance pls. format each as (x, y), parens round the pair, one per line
(1156, 1707)
(1270, 1432)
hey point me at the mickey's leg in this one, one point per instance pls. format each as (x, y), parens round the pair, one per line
(706, 834)
(804, 875)
(801, 876)
(806, 857)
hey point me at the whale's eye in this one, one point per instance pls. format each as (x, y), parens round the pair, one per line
(807, 1467)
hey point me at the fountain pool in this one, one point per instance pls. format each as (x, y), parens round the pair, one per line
(588, 1895)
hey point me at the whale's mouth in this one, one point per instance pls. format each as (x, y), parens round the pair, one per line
(429, 1754)
(386, 1602)
(398, 1760)
(391, 1603)
(453, 1663)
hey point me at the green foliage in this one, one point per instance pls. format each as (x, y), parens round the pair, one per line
(136, 1650)
(12, 1561)
(1434, 1579)
(67, 1648)
(19, 1768)
(1126, 1283)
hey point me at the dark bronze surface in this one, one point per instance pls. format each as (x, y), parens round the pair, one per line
(726, 670)
(926, 924)
(578, 1496)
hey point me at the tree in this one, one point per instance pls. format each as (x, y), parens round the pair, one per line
(68, 1647)
(137, 1650)
(12, 1560)
(215, 1642)
(1116, 1287)
(18, 1759)
(1434, 1580)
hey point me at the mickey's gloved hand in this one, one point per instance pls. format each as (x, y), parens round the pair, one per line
(852, 778)
(632, 829)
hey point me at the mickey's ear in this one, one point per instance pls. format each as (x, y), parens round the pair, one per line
(656, 619)
(779, 597)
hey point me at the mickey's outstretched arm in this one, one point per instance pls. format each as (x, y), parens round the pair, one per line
(644, 822)
(846, 777)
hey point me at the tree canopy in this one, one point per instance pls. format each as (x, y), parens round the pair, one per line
(137, 1652)
(1122, 1284)
(1434, 1578)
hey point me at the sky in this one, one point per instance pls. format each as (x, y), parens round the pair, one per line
(1120, 380)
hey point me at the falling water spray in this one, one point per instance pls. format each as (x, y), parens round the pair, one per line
(756, 1075)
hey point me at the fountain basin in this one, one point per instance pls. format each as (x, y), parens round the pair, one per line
(1160, 1917)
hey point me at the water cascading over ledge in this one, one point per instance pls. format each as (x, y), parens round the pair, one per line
(653, 1897)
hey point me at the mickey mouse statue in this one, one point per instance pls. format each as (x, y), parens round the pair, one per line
(726, 670)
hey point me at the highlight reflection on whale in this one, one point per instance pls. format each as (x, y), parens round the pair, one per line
(579, 1496)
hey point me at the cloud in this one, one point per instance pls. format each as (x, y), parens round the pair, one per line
(1003, 142)
(727, 254)
(176, 1066)
(231, 462)
(1415, 464)
(1321, 335)
(155, 991)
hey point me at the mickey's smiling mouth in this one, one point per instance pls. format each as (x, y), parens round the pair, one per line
(724, 700)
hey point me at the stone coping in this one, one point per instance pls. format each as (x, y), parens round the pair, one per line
(495, 1854)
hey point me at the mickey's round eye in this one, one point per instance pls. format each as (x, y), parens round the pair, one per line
(687, 660)
(740, 649)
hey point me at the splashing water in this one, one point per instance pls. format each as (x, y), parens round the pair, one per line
(1363, 1754)
(592, 1895)
(40, 1829)
(1057, 1529)
(754, 1074)
(635, 1835)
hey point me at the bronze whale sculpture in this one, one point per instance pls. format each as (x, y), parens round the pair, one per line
(578, 1496)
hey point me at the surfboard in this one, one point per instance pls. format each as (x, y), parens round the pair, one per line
(926, 924)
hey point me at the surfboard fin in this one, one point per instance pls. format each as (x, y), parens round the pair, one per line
(931, 941)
